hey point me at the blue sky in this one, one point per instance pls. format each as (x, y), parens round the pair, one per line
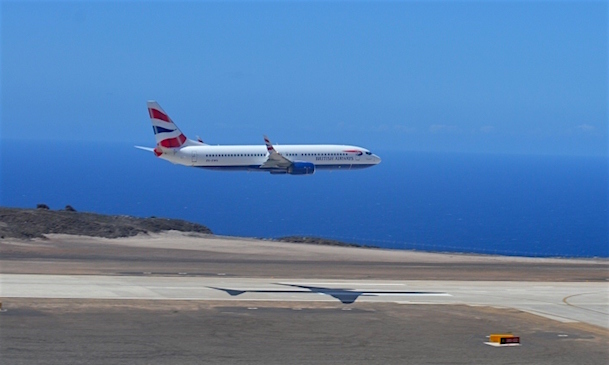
(497, 77)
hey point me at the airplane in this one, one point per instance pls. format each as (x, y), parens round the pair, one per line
(172, 145)
(346, 296)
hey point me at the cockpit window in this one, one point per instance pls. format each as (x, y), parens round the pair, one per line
(369, 153)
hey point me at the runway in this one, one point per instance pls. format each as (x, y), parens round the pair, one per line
(566, 302)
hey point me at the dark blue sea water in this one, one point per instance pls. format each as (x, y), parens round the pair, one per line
(503, 204)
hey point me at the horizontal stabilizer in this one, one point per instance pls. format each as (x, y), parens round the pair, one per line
(145, 148)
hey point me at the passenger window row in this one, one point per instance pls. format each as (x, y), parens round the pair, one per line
(236, 155)
(283, 154)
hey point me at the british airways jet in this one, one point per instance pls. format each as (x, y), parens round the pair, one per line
(173, 146)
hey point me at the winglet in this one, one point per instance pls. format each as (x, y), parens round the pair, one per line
(269, 146)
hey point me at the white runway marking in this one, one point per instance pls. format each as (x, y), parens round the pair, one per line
(564, 301)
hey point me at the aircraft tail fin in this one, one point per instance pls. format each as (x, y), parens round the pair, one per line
(166, 132)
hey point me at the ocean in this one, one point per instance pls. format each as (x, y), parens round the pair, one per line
(543, 206)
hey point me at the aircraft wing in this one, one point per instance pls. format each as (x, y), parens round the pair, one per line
(275, 160)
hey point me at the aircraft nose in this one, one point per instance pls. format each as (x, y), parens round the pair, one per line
(377, 159)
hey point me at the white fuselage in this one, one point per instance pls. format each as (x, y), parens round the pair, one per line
(251, 157)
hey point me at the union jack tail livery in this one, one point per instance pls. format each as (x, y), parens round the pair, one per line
(167, 134)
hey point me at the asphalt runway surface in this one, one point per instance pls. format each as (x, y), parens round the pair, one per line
(176, 299)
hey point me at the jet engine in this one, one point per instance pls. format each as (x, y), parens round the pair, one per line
(301, 168)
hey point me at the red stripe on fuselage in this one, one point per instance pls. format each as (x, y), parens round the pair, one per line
(157, 114)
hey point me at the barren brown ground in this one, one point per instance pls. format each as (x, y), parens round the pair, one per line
(172, 253)
(53, 331)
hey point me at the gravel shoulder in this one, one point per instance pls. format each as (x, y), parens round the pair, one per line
(160, 332)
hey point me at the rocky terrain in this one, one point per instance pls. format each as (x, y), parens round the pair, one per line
(319, 241)
(35, 223)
